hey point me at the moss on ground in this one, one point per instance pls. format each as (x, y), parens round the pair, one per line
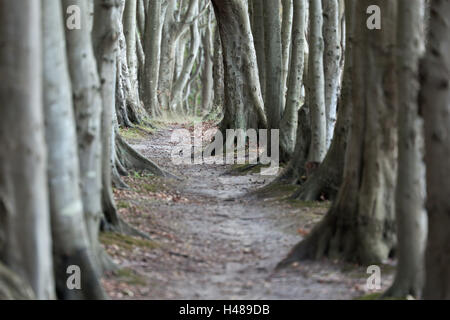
(126, 242)
(277, 191)
(309, 204)
(121, 204)
(137, 132)
(130, 277)
(370, 296)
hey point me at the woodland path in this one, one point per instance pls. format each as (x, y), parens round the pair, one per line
(210, 241)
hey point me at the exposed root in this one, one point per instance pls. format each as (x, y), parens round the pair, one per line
(12, 287)
(323, 184)
(124, 228)
(133, 160)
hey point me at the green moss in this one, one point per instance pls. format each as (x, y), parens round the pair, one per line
(309, 204)
(123, 204)
(126, 242)
(130, 276)
(370, 296)
(142, 175)
(137, 132)
(150, 187)
(377, 296)
(244, 169)
(277, 191)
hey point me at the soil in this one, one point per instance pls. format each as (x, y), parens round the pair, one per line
(212, 239)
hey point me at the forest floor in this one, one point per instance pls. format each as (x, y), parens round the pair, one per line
(211, 240)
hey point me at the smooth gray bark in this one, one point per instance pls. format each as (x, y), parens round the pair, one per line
(87, 102)
(316, 84)
(410, 192)
(242, 88)
(332, 62)
(326, 180)
(25, 239)
(69, 233)
(360, 225)
(288, 127)
(435, 108)
(152, 45)
(273, 63)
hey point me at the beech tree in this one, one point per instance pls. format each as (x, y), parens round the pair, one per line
(360, 224)
(435, 104)
(359, 91)
(410, 192)
(24, 208)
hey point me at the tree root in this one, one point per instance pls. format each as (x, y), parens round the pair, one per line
(12, 287)
(317, 187)
(123, 227)
(133, 160)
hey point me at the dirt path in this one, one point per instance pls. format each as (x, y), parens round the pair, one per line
(210, 242)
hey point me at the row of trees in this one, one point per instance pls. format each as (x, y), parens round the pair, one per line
(65, 91)
(350, 102)
(359, 128)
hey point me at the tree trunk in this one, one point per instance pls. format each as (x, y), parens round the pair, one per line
(182, 80)
(273, 51)
(207, 76)
(360, 225)
(258, 36)
(286, 39)
(288, 127)
(172, 30)
(435, 108)
(242, 88)
(25, 245)
(218, 71)
(152, 45)
(88, 107)
(70, 239)
(410, 192)
(129, 31)
(332, 61)
(328, 178)
(316, 85)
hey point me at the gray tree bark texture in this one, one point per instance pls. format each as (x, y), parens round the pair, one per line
(208, 56)
(194, 48)
(435, 108)
(106, 32)
(360, 225)
(172, 31)
(242, 88)
(152, 45)
(316, 84)
(410, 191)
(273, 63)
(25, 238)
(69, 233)
(257, 24)
(87, 102)
(218, 72)
(326, 180)
(286, 42)
(130, 33)
(332, 62)
(288, 127)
